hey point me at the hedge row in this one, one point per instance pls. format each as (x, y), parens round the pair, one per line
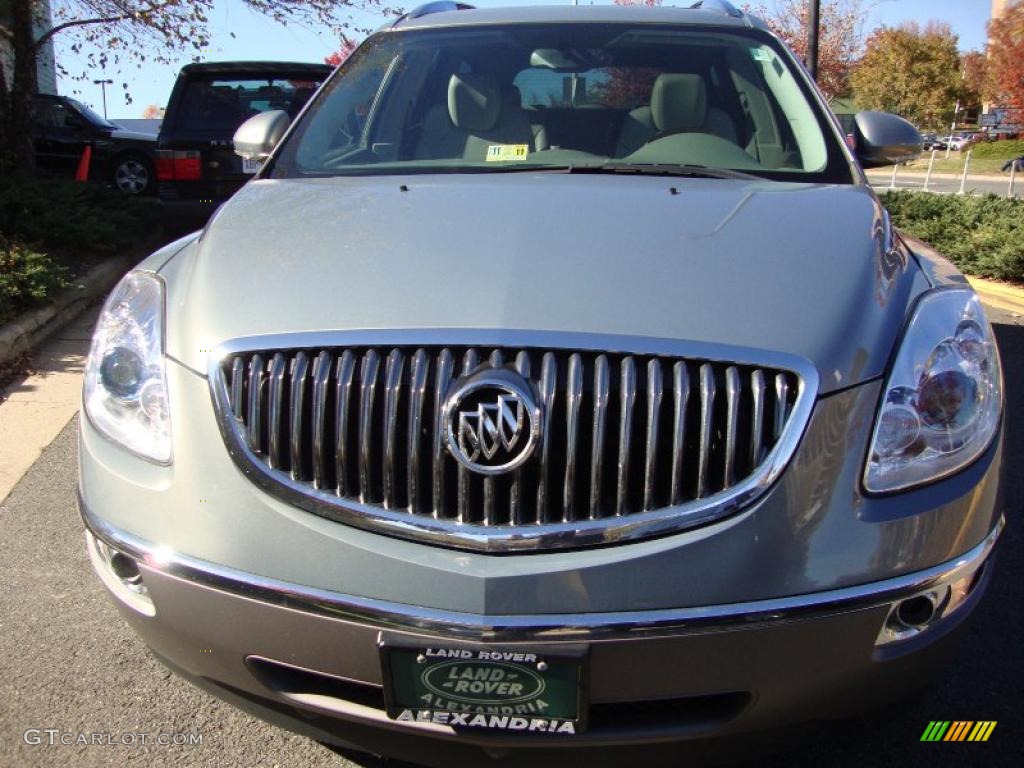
(999, 150)
(983, 236)
(52, 230)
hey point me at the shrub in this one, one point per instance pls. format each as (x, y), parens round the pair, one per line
(54, 213)
(26, 278)
(53, 229)
(998, 150)
(983, 236)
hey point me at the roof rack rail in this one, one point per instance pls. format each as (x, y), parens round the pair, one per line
(724, 6)
(438, 6)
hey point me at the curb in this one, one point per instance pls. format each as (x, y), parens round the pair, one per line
(920, 175)
(19, 336)
(1009, 298)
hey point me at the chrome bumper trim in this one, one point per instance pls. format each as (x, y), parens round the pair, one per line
(537, 627)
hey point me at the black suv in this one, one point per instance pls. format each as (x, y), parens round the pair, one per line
(63, 127)
(195, 162)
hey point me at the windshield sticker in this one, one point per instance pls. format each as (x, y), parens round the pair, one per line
(501, 153)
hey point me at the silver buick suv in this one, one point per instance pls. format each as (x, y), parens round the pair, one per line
(557, 383)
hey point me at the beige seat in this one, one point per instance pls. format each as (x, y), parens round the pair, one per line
(478, 115)
(679, 104)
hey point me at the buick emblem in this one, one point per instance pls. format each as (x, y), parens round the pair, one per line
(491, 421)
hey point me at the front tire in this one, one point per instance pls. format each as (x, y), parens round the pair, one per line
(133, 175)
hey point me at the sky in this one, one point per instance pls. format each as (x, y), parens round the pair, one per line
(256, 37)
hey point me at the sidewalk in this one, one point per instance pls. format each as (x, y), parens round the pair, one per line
(38, 406)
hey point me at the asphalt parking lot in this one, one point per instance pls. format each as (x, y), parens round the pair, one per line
(70, 663)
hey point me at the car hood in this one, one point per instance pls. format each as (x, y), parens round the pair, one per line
(126, 135)
(792, 268)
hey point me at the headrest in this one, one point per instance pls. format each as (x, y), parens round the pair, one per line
(679, 103)
(474, 101)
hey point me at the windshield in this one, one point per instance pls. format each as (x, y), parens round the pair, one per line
(91, 116)
(589, 97)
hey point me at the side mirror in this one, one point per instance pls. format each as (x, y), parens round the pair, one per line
(256, 138)
(880, 138)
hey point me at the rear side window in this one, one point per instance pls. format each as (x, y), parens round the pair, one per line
(222, 105)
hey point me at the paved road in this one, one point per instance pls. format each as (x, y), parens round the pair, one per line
(948, 185)
(71, 664)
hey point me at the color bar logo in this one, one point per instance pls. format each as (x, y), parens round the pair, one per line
(958, 730)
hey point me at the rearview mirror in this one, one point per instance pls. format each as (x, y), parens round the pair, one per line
(880, 138)
(257, 136)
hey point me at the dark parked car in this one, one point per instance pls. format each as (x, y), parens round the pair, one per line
(61, 129)
(196, 165)
(931, 141)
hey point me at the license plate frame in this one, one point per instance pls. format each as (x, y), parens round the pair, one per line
(563, 671)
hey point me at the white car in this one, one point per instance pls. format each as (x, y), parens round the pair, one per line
(954, 142)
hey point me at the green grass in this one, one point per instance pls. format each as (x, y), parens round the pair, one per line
(987, 158)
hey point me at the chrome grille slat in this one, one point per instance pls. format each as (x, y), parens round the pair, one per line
(619, 433)
(680, 400)
(275, 410)
(342, 406)
(445, 366)
(707, 405)
(573, 398)
(392, 381)
(732, 413)
(237, 382)
(781, 404)
(417, 392)
(255, 402)
(321, 376)
(296, 405)
(601, 385)
(757, 391)
(627, 399)
(654, 390)
(367, 391)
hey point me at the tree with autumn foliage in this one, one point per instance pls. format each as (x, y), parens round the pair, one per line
(912, 71)
(976, 80)
(1006, 58)
(840, 37)
(114, 33)
(626, 87)
(347, 46)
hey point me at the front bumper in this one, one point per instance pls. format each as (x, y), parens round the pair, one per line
(308, 659)
(767, 617)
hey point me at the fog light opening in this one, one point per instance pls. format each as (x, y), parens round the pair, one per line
(120, 574)
(916, 612)
(126, 569)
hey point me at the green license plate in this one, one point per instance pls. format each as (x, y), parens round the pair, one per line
(507, 690)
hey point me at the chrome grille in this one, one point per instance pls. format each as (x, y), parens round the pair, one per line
(352, 432)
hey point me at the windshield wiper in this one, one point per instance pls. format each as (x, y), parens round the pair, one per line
(666, 169)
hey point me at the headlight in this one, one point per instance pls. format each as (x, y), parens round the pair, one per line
(126, 381)
(943, 398)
